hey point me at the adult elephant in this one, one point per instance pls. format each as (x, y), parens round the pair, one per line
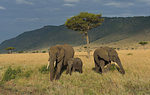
(103, 57)
(59, 54)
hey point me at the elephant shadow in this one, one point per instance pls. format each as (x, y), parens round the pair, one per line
(94, 69)
(64, 68)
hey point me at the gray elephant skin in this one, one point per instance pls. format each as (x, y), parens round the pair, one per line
(59, 54)
(103, 56)
(74, 64)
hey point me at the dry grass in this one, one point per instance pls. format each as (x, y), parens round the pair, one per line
(136, 81)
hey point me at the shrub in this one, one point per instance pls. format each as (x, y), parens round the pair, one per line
(129, 54)
(43, 51)
(11, 74)
(85, 47)
(44, 69)
(20, 51)
(118, 48)
(113, 67)
(28, 73)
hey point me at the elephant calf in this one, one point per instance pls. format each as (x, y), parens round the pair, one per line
(74, 64)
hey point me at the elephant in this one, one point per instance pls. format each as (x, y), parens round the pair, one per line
(103, 57)
(74, 64)
(58, 58)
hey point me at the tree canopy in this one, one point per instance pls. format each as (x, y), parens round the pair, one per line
(84, 21)
(143, 43)
(9, 49)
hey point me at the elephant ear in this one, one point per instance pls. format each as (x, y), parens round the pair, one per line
(60, 54)
(103, 53)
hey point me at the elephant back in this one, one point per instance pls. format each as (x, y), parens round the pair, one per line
(112, 53)
(69, 53)
(101, 53)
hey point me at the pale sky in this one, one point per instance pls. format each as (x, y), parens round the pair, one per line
(18, 16)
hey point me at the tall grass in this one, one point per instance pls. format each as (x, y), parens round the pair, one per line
(136, 81)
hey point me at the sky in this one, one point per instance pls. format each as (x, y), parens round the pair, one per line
(18, 16)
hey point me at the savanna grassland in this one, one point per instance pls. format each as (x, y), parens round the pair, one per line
(136, 81)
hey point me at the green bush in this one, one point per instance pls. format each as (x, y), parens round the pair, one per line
(20, 51)
(85, 47)
(15, 73)
(44, 69)
(43, 51)
(11, 74)
(129, 54)
(113, 67)
(27, 73)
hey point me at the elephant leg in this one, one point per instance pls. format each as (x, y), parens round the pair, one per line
(58, 71)
(73, 69)
(67, 70)
(102, 64)
(97, 68)
(80, 70)
(70, 69)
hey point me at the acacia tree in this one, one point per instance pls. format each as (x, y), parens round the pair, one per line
(10, 49)
(84, 22)
(143, 43)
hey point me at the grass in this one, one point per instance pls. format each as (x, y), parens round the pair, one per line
(136, 81)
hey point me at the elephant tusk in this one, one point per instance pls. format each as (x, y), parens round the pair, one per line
(105, 66)
(48, 64)
(115, 64)
(54, 63)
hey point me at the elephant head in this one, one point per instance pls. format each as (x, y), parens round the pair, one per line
(56, 54)
(70, 66)
(113, 55)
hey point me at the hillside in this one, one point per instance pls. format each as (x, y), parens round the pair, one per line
(118, 30)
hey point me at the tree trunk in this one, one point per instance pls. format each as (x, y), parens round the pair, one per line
(9, 51)
(88, 47)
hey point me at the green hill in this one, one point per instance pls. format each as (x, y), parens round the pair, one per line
(113, 30)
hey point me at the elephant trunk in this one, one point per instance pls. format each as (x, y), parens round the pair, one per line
(120, 69)
(51, 70)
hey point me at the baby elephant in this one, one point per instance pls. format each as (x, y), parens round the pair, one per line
(74, 64)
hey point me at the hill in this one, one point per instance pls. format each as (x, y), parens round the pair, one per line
(114, 31)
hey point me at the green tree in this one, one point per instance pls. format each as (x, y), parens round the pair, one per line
(10, 49)
(84, 22)
(143, 43)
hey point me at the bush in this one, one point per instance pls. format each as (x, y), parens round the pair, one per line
(118, 48)
(44, 69)
(14, 73)
(113, 67)
(129, 54)
(11, 74)
(43, 51)
(85, 47)
(28, 73)
(20, 51)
